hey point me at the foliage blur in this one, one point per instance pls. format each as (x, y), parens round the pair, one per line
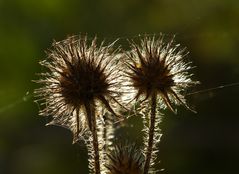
(206, 142)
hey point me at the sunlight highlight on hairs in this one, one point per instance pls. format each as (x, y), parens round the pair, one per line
(26, 97)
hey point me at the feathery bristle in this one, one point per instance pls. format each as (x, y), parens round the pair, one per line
(80, 74)
(155, 67)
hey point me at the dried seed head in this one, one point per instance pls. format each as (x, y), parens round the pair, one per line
(79, 75)
(155, 67)
(125, 159)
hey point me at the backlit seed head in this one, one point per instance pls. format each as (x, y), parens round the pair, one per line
(125, 159)
(155, 67)
(80, 75)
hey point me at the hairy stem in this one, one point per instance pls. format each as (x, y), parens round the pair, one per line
(95, 140)
(151, 134)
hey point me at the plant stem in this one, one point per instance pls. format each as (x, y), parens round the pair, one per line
(95, 139)
(77, 123)
(151, 134)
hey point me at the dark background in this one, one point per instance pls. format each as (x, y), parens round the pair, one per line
(203, 143)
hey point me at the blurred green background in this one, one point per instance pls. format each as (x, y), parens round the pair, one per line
(203, 143)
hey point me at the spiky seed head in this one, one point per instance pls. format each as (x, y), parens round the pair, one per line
(155, 67)
(80, 74)
(125, 159)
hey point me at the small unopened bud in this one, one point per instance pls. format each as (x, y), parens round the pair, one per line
(125, 159)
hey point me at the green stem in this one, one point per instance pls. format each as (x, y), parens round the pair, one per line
(151, 134)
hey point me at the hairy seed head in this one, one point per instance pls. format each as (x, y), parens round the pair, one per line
(155, 67)
(125, 159)
(80, 74)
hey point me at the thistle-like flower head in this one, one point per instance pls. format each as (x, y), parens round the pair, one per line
(125, 159)
(159, 68)
(80, 75)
